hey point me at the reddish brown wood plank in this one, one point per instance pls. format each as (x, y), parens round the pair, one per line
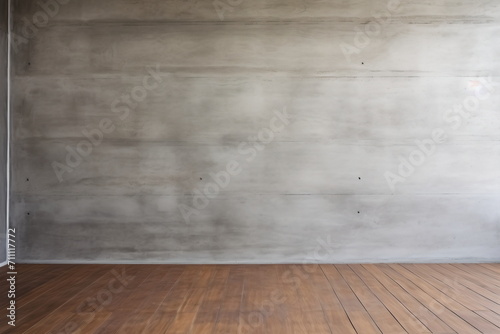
(274, 299)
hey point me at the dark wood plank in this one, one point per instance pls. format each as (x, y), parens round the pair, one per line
(264, 299)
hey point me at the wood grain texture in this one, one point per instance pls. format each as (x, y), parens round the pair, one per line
(268, 299)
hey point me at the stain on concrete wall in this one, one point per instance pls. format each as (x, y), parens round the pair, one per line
(257, 131)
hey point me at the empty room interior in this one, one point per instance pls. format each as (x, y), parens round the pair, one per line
(250, 166)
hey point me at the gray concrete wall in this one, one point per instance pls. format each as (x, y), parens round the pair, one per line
(256, 131)
(3, 124)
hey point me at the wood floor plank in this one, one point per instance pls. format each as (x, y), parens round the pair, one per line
(259, 299)
(44, 305)
(470, 282)
(429, 319)
(289, 282)
(31, 279)
(358, 315)
(450, 298)
(158, 322)
(126, 296)
(92, 324)
(475, 278)
(47, 324)
(440, 310)
(298, 322)
(233, 293)
(491, 316)
(43, 283)
(232, 322)
(228, 318)
(495, 268)
(379, 313)
(153, 295)
(309, 298)
(136, 323)
(407, 320)
(182, 323)
(452, 288)
(204, 322)
(156, 286)
(478, 272)
(338, 321)
(335, 315)
(213, 299)
(82, 323)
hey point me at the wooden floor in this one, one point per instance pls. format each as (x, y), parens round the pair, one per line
(344, 299)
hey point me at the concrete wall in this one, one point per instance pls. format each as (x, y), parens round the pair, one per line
(306, 113)
(3, 124)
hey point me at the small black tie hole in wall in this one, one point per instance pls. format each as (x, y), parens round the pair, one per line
(28, 213)
(359, 178)
(362, 63)
(29, 64)
(201, 178)
(27, 180)
(358, 211)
